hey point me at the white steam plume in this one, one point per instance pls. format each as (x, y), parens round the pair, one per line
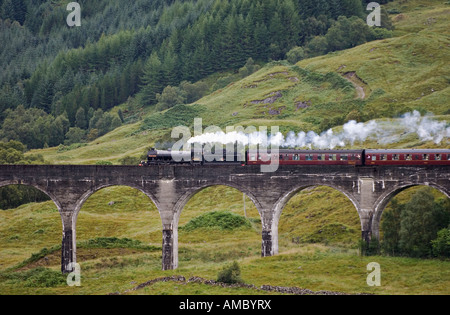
(352, 132)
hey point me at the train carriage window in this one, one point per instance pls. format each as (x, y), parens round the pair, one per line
(296, 157)
(286, 157)
(437, 157)
(408, 157)
(374, 157)
(319, 157)
(383, 157)
(395, 157)
(344, 157)
(425, 157)
(416, 157)
(332, 157)
(309, 157)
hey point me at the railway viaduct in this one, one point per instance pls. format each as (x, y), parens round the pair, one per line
(171, 186)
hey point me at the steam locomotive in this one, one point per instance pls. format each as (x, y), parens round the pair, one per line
(301, 157)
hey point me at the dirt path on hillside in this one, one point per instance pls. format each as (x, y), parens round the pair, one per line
(357, 83)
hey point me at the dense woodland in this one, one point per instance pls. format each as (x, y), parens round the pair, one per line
(418, 228)
(63, 81)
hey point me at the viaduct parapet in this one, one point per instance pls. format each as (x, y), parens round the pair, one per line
(170, 187)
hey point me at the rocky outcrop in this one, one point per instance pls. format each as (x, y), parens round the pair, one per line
(269, 100)
(267, 288)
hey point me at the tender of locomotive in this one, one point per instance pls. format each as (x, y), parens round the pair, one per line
(303, 157)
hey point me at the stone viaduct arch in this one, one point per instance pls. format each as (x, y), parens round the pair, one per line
(34, 185)
(184, 199)
(171, 186)
(79, 204)
(386, 197)
(279, 207)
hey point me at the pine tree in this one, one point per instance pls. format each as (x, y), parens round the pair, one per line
(386, 20)
(124, 88)
(352, 8)
(170, 67)
(320, 7)
(261, 35)
(58, 131)
(20, 11)
(276, 37)
(418, 224)
(15, 10)
(7, 10)
(230, 46)
(291, 23)
(80, 119)
(94, 96)
(335, 8)
(151, 79)
(43, 96)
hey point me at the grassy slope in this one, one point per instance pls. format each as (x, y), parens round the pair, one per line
(411, 68)
(402, 67)
(335, 266)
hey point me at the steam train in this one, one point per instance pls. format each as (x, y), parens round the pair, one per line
(302, 157)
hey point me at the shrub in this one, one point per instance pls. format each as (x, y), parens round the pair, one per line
(230, 274)
(44, 277)
(223, 220)
(441, 245)
(103, 163)
(295, 55)
(75, 135)
(129, 160)
(36, 278)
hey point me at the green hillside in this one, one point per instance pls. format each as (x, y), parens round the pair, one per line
(378, 80)
(119, 243)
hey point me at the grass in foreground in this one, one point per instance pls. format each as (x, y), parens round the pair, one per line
(313, 267)
(111, 265)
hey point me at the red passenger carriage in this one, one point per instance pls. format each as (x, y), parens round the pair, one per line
(307, 157)
(407, 157)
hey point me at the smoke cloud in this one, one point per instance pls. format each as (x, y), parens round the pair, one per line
(384, 132)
